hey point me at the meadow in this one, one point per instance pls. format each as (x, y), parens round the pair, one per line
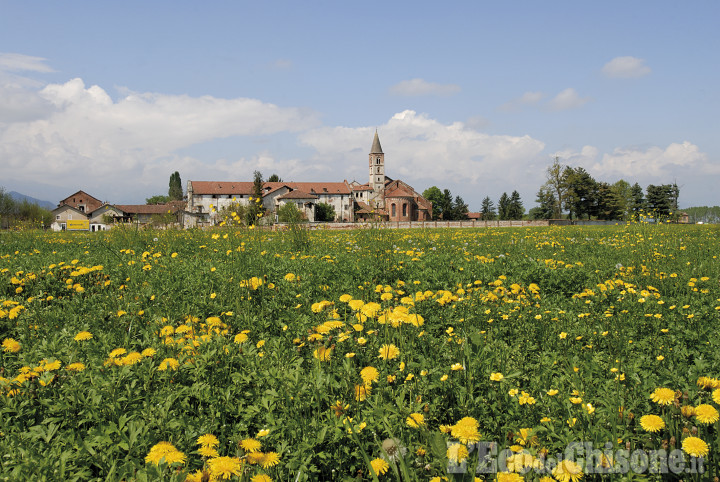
(369, 354)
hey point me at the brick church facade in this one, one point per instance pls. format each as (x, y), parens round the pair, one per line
(385, 198)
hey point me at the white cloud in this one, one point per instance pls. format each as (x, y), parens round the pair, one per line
(567, 99)
(23, 63)
(88, 139)
(423, 151)
(420, 87)
(626, 68)
(527, 99)
(653, 162)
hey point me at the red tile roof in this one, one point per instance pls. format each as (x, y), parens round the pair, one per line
(246, 188)
(297, 194)
(149, 208)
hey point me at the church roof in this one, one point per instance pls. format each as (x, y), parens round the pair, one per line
(376, 148)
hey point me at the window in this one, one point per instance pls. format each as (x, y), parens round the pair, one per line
(57, 218)
(404, 209)
(393, 209)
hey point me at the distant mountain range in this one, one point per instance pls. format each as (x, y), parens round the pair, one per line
(22, 197)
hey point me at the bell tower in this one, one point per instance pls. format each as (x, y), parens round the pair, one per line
(377, 168)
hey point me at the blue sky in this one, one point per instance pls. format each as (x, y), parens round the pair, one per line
(477, 97)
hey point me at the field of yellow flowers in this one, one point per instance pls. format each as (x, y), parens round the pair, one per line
(369, 354)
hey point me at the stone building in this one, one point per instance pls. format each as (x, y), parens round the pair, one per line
(381, 198)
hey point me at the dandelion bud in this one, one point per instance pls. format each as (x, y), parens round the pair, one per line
(664, 444)
(627, 445)
(672, 441)
(694, 431)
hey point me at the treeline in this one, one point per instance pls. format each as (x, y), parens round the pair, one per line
(447, 208)
(575, 191)
(703, 214)
(15, 213)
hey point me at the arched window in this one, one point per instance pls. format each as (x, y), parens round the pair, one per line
(393, 209)
(404, 209)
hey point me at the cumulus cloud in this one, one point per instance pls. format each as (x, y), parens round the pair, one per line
(423, 150)
(654, 161)
(420, 87)
(89, 138)
(626, 68)
(567, 99)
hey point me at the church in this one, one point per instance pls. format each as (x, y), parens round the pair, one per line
(381, 198)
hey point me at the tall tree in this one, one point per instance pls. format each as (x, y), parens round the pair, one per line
(609, 205)
(580, 195)
(503, 207)
(623, 191)
(175, 193)
(636, 204)
(515, 207)
(435, 196)
(459, 209)
(662, 200)
(274, 178)
(556, 182)
(547, 204)
(256, 209)
(488, 209)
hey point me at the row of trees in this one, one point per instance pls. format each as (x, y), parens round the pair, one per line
(18, 213)
(574, 190)
(444, 206)
(508, 208)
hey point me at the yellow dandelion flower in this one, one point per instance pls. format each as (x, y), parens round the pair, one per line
(117, 352)
(496, 376)
(269, 459)
(652, 423)
(362, 392)
(379, 466)
(208, 440)
(663, 396)
(250, 445)
(83, 336)
(260, 478)
(369, 375)
(415, 420)
(706, 414)
(388, 352)
(466, 430)
(11, 346)
(224, 467)
(169, 363)
(567, 471)
(323, 353)
(148, 352)
(695, 447)
(457, 453)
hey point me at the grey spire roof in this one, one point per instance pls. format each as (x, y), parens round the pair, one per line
(376, 149)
